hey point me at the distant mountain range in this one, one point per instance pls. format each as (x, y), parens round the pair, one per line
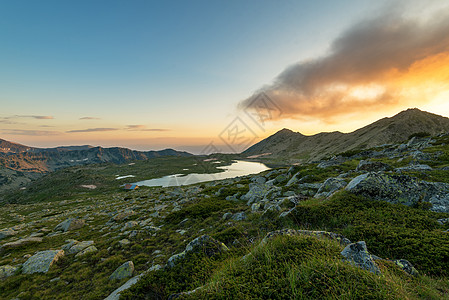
(20, 164)
(294, 145)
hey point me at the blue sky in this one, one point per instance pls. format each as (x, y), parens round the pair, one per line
(180, 67)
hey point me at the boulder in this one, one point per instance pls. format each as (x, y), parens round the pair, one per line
(124, 271)
(41, 261)
(89, 249)
(115, 295)
(256, 192)
(6, 271)
(357, 254)
(401, 189)
(330, 186)
(206, 244)
(70, 224)
(79, 247)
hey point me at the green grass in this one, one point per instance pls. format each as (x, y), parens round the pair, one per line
(390, 230)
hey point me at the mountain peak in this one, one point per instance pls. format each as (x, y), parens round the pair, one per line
(286, 143)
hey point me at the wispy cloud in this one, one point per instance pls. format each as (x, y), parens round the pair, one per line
(89, 118)
(92, 130)
(35, 117)
(144, 128)
(30, 132)
(382, 62)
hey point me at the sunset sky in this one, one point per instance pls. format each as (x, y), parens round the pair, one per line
(191, 75)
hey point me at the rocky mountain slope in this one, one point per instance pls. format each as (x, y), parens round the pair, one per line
(372, 224)
(289, 144)
(20, 164)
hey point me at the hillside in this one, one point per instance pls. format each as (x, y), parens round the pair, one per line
(372, 226)
(289, 144)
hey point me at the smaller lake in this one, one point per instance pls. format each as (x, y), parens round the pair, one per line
(237, 168)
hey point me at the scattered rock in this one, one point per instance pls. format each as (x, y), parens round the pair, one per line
(357, 254)
(124, 271)
(41, 261)
(70, 224)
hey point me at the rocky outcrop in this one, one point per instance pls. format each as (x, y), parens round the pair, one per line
(42, 261)
(401, 189)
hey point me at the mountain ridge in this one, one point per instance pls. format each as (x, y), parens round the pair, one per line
(388, 130)
(20, 164)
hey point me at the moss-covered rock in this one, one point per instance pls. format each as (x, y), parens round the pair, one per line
(42, 261)
(124, 271)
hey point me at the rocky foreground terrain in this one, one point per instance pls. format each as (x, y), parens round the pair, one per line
(365, 224)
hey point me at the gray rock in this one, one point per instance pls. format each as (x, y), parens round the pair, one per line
(70, 224)
(7, 232)
(256, 207)
(69, 244)
(79, 247)
(227, 216)
(115, 295)
(330, 186)
(415, 167)
(406, 266)
(124, 271)
(357, 254)
(318, 234)
(129, 225)
(7, 271)
(443, 221)
(331, 163)
(42, 261)
(256, 192)
(240, 216)
(22, 242)
(124, 242)
(89, 249)
(372, 166)
(401, 189)
(204, 243)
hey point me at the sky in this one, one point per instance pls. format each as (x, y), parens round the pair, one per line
(208, 76)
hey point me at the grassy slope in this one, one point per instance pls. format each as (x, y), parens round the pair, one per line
(300, 267)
